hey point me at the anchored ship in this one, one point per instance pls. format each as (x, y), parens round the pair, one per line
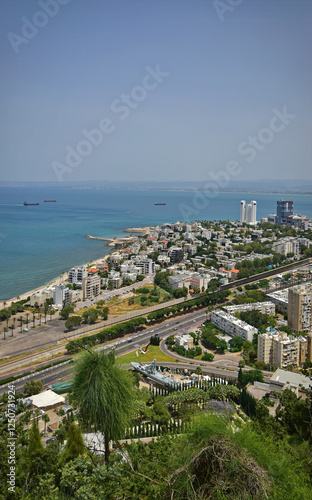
(49, 201)
(26, 204)
(159, 203)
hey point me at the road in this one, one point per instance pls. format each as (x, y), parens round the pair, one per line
(52, 332)
(224, 366)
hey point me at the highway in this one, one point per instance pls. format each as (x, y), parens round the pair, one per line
(128, 343)
(225, 367)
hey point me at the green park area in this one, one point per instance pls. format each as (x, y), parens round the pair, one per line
(153, 351)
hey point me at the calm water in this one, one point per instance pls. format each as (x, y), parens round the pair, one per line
(38, 243)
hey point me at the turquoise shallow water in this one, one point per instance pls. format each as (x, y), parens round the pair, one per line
(38, 243)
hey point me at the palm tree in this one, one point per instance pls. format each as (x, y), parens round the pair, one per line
(103, 394)
(27, 316)
(46, 419)
(46, 308)
(13, 326)
(34, 319)
(199, 371)
(21, 323)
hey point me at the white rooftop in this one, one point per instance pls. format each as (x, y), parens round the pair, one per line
(46, 398)
(294, 379)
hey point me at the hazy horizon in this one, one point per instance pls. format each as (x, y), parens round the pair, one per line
(155, 91)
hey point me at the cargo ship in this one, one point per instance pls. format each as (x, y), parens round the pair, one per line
(26, 204)
(159, 203)
(49, 201)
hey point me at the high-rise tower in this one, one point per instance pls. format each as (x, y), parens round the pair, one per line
(248, 213)
(283, 210)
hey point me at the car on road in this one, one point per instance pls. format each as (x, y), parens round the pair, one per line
(50, 440)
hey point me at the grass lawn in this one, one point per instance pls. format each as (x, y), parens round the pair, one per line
(153, 351)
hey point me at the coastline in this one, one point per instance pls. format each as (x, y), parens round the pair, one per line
(63, 277)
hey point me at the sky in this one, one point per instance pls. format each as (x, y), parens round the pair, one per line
(155, 90)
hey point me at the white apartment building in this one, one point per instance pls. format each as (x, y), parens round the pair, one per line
(206, 234)
(232, 326)
(129, 276)
(146, 266)
(185, 341)
(248, 212)
(60, 295)
(76, 275)
(286, 246)
(263, 307)
(280, 299)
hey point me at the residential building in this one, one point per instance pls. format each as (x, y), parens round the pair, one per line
(233, 326)
(76, 275)
(41, 297)
(299, 308)
(91, 286)
(263, 307)
(185, 341)
(280, 350)
(176, 253)
(280, 299)
(285, 351)
(147, 266)
(61, 295)
(286, 246)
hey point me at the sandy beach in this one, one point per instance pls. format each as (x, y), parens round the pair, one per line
(64, 276)
(60, 279)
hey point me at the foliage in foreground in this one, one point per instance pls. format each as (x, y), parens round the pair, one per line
(209, 462)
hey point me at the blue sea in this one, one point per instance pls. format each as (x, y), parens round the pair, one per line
(38, 243)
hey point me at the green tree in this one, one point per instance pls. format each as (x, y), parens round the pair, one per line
(103, 393)
(73, 322)
(33, 387)
(104, 313)
(66, 311)
(199, 370)
(74, 447)
(237, 342)
(90, 316)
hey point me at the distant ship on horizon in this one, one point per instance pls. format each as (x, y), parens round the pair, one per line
(159, 203)
(27, 204)
(49, 201)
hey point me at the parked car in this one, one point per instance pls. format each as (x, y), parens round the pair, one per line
(50, 440)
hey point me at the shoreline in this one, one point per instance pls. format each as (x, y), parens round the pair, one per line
(63, 277)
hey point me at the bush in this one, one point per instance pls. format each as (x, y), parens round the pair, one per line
(207, 357)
